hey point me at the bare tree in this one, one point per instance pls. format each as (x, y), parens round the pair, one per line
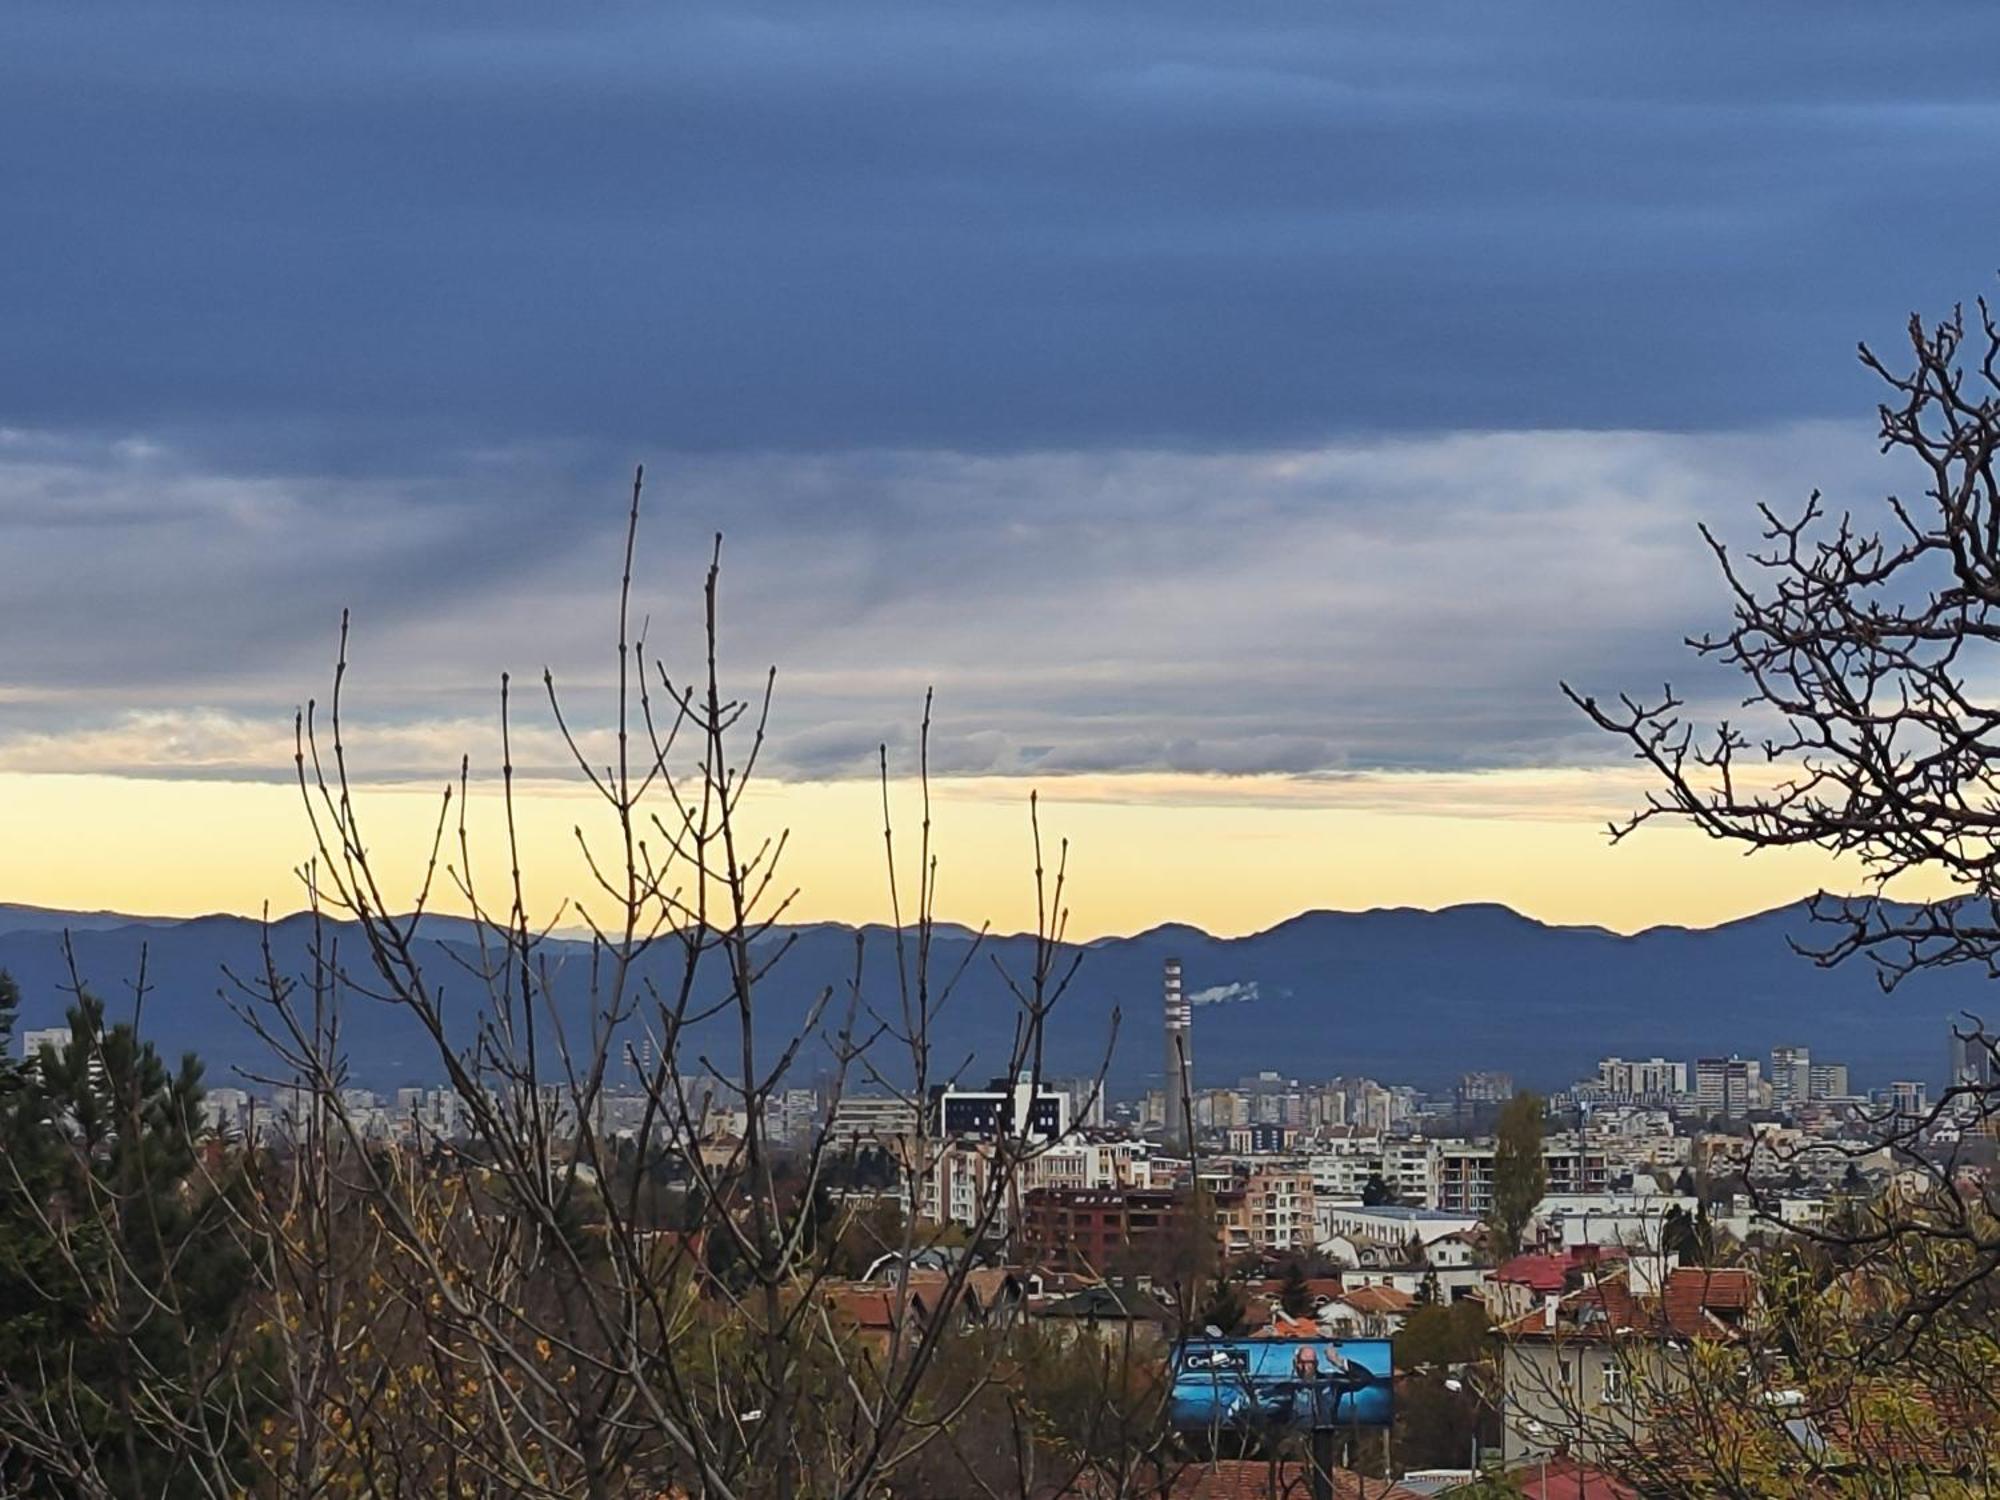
(575, 1344)
(1870, 730)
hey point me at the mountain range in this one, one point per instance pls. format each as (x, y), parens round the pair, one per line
(1398, 994)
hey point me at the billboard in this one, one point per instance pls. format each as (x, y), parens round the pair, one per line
(1247, 1385)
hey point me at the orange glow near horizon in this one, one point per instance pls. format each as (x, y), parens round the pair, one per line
(1231, 857)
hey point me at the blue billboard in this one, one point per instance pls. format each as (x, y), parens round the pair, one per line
(1250, 1385)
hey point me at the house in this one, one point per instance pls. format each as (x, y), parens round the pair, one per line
(1367, 1312)
(1581, 1373)
(985, 1297)
(1109, 1312)
(1278, 1324)
(1451, 1265)
(873, 1313)
(1527, 1281)
(891, 1265)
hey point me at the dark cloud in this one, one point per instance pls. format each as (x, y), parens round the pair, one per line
(1177, 387)
(1403, 604)
(330, 238)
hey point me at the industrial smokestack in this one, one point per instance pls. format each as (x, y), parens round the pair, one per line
(1179, 1017)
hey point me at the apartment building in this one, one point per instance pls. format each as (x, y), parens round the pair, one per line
(1341, 1169)
(1278, 1207)
(1727, 1086)
(1653, 1081)
(1092, 1231)
(871, 1121)
(1465, 1173)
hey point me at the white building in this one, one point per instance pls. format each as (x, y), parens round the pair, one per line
(871, 1121)
(1630, 1220)
(1727, 1086)
(1791, 1076)
(1655, 1080)
(1386, 1225)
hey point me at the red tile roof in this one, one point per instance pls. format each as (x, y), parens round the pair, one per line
(871, 1309)
(1378, 1299)
(1563, 1478)
(1697, 1297)
(1696, 1302)
(1543, 1271)
(1282, 1327)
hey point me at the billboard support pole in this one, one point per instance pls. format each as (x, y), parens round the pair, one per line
(1322, 1461)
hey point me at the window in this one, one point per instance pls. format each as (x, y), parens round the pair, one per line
(1613, 1383)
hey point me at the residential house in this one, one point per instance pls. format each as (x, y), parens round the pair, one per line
(1579, 1373)
(1367, 1312)
(1113, 1313)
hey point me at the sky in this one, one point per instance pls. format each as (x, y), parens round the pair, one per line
(1242, 417)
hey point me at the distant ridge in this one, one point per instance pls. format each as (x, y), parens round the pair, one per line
(1398, 993)
(18, 918)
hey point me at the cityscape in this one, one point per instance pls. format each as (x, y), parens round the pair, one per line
(867, 750)
(1349, 1213)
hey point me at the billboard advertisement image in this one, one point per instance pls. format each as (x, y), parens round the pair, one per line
(1248, 1385)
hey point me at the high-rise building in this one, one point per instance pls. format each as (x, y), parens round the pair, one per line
(1726, 1086)
(1909, 1102)
(1086, 1100)
(1484, 1088)
(1179, 1018)
(1791, 1076)
(1003, 1108)
(1972, 1062)
(1829, 1081)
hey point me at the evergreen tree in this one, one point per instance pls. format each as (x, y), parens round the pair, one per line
(1294, 1295)
(1704, 1237)
(1222, 1307)
(119, 1277)
(1677, 1236)
(822, 1226)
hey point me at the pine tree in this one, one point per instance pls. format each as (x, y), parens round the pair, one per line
(1222, 1307)
(1294, 1295)
(119, 1277)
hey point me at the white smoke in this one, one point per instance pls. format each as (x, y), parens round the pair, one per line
(1225, 994)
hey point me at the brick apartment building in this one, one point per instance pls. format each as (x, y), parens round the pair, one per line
(1093, 1229)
